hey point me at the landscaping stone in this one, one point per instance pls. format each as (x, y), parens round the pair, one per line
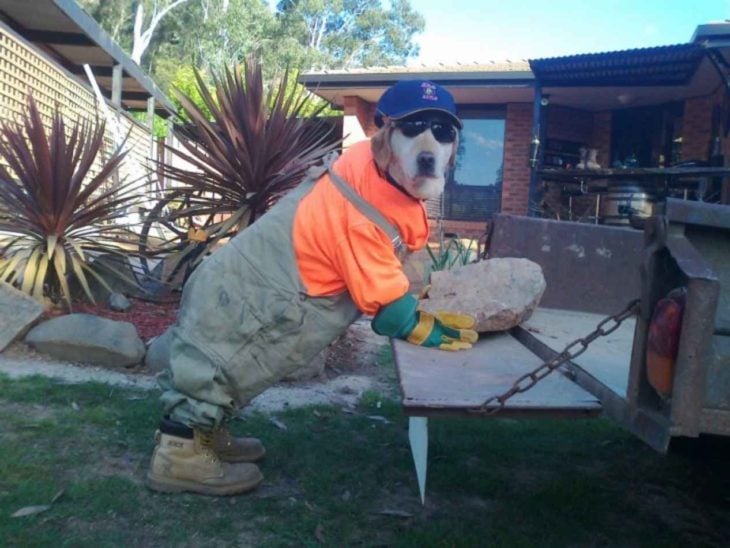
(119, 302)
(18, 312)
(117, 272)
(499, 293)
(157, 357)
(86, 338)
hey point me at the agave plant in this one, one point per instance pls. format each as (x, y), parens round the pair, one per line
(251, 148)
(55, 214)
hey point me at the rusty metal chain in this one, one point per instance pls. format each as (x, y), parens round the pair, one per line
(570, 352)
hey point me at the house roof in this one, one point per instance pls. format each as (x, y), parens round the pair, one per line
(492, 80)
(657, 66)
(73, 38)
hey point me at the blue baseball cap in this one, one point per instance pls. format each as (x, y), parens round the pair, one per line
(411, 96)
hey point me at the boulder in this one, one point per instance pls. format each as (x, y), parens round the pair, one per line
(118, 302)
(157, 357)
(499, 293)
(117, 272)
(86, 338)
(18, 312)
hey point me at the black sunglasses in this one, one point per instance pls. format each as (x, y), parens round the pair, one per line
(443, 132)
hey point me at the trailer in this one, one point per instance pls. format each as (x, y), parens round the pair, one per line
(634, 325)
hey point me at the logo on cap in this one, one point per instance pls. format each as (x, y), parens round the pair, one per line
(429, 92)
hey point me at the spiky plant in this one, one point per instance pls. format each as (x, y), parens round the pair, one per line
(54, 213)
(238, 160)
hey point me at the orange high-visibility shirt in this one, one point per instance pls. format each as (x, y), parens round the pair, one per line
(338, 249)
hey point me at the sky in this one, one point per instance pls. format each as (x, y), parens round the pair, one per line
(467, 31)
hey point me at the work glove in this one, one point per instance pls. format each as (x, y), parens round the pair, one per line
(444, 330)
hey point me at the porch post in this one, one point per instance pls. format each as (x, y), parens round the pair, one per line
(117, 86)
(537, 146)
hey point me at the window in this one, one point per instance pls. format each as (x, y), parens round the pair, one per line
(475, 188)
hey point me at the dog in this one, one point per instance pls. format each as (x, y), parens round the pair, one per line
(417, 152)
(266, 303)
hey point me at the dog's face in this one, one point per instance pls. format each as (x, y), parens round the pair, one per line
(417, 152)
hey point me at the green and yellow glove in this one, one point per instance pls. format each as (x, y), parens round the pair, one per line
(444, 330)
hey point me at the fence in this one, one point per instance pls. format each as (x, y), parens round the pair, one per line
(26, 70)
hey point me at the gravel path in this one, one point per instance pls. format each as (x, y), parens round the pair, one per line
(18, 360)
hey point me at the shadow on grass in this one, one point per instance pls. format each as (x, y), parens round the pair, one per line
(345, 478)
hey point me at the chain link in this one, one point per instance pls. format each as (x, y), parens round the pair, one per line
(569, 353)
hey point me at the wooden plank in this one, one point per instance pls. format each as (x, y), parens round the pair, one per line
(435, 382)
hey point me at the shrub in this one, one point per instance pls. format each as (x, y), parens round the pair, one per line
(243, 147)
(55, 213)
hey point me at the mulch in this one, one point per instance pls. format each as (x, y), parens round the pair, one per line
(149, 317)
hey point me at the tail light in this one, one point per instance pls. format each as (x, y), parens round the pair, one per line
(663, 341)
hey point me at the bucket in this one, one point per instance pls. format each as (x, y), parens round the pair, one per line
(628, 203)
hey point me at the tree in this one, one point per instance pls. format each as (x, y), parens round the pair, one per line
(300, 34)
(131, 23)
(348, 33)
(142, 36)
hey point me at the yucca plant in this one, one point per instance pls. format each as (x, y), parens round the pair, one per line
(253, 146)
(452, 252)
(55, 214)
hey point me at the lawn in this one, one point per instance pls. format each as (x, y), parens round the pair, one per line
(339, 477)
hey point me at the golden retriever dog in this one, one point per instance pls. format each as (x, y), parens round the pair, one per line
(417, 159)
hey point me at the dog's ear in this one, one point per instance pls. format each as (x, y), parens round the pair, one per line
(454, 150)
(380, 144)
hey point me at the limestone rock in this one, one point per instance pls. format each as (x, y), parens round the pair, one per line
(118, 302)
(499, 293)
(87, 338)
(118, 273)
(18, 312)
(157, 357)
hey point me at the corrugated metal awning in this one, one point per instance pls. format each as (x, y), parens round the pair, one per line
(658, 66)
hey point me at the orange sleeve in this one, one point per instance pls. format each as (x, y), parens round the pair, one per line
(373, 275)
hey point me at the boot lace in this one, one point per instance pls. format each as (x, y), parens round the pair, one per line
(206, 444)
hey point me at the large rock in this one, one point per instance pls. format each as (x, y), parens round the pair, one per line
(499, 293)
(117, 272)
(157, 357)
(18, 312)
(87, 338)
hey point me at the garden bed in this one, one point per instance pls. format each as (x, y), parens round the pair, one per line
(151, 318)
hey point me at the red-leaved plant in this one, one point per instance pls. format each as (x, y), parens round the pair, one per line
(238, 160)
(55, 214)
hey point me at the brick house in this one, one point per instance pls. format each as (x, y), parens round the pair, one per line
(661, 105)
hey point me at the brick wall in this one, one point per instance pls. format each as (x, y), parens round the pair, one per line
(569, 124)
(465, 229)
(697, 127)
(516, 180)
(363, 111)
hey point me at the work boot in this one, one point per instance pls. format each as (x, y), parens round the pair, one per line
(232, 449)
(184, 460)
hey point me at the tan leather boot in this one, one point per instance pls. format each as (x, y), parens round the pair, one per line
(232, 449)
(184, 460)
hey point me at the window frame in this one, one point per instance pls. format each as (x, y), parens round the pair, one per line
(474, 112)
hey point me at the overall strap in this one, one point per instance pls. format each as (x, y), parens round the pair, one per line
(369, 211)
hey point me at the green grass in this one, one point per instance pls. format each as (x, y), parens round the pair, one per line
(340, 479)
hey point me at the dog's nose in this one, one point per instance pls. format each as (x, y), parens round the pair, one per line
(426, 162)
